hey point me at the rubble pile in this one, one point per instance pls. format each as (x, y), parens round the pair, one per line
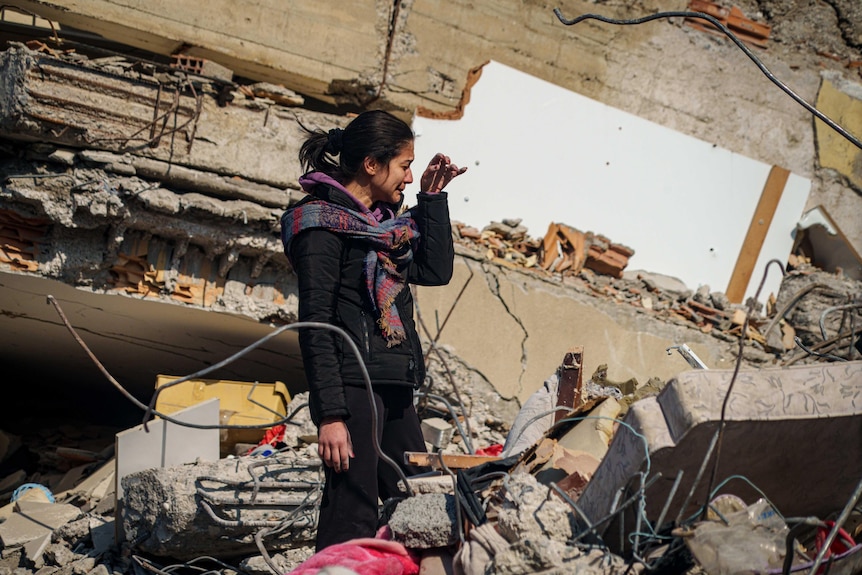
(592, 263)
(62, 516)
(628, 477)
(535, 507)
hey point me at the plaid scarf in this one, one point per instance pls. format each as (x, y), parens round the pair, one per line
(388, 255)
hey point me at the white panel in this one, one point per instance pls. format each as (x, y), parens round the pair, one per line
(538, 152)
(166, 444)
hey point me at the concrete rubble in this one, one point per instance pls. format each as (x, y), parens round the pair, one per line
(649, 484)
(617, 477)
(166, 510)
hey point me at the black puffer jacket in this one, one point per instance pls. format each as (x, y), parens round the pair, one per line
(332, 290)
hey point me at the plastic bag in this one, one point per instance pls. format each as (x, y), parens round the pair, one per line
(752, 541)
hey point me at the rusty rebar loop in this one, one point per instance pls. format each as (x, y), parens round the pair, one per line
(149, 410)
(750, 308)
(157, 118)
(173, 111)
(715, 22)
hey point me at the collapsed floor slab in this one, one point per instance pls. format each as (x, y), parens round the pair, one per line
(792, 435)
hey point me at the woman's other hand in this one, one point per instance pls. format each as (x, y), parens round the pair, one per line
(334, 445)
(438, 174)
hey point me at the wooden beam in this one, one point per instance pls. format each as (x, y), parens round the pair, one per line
(423, 459)
(757, 230)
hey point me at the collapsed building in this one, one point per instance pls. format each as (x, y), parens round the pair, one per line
(140, 205)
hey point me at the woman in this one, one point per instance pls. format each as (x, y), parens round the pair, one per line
(354, 254)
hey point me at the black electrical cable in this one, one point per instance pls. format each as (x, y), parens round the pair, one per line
(677, 14)
(150, 410)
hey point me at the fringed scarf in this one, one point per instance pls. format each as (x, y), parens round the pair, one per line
(387, 258)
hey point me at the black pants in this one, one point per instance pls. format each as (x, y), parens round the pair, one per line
(349, 507)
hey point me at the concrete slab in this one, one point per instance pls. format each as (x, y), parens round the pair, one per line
(35, 549)
(92, 485)
(791, 432)
(35, 522)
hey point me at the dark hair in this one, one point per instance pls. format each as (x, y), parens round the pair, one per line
(340, 153)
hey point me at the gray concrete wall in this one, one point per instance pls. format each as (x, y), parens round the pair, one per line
(514, 328)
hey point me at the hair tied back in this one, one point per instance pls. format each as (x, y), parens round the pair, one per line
(333, 141)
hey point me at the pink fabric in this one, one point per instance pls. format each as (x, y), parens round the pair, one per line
(366, 556)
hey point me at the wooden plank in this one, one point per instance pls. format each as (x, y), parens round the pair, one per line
(549, 246)
(757, 230)
(452, 461)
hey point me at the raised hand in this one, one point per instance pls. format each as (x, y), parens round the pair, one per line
(438, 174)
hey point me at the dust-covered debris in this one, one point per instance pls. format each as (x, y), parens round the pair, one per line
(425, 521)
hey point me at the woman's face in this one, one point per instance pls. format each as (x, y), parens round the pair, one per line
(389, 181)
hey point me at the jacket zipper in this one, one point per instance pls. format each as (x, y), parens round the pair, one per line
(366, 339)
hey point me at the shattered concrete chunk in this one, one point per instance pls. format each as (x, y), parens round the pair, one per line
(553, 557)
(529, 509)
(425, 521)
(74, 531)
(286, 561)
(59, 555)
(210, 508)
(100, 569)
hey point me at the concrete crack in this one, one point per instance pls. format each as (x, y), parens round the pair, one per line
(494, 285)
